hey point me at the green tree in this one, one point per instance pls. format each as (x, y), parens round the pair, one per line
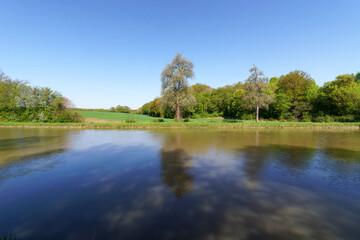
(237, 106)
(20, 102)
(155, 109)
(221, 100)
(122, 109)
(257, 94)
(357, 77)
(145, 108)
(281, 106)
(341, 96)
(300, 89)
(175, 91)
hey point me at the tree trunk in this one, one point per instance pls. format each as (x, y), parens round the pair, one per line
(178, 117)
(257, 113)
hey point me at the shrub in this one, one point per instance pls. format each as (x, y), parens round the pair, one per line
(346, 118)
(306, 117)
(130, 120)
(247, 116)
(196, 116)
(323, 118)
(158, 120)
(186, 120)
(67, 116)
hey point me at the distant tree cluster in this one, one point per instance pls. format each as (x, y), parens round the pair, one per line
(22, 103)
(121, 109)
(291, 97)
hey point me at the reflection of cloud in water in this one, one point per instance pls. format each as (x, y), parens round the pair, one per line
(119, 138)
(142, 209)
(117, 186)
(276, 212)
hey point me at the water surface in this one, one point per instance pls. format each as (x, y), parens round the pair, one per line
(180, 184)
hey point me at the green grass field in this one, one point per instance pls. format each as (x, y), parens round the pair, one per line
(139, 118)
(114, 116)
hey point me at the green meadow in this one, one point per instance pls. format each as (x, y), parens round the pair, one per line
(115, 116)
(139, 118)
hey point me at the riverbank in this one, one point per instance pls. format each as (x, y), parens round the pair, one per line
(205, 125)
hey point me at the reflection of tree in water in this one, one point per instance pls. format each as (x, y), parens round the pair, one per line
(26, 151)
(175, 171)
(295, 159)
(254, 162)
(29, 164)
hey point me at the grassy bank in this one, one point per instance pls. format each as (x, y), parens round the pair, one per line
(202, 124)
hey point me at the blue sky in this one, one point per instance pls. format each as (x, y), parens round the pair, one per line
(105, 53)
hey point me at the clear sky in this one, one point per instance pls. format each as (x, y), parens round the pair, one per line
(105, 53)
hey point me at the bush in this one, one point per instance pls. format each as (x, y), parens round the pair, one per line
(247, 116)
(67, 117)
(159, 120)
(186, 120)
(306, 117)
(323, 118)
(130, 120)
(346, 118)
(196, 116)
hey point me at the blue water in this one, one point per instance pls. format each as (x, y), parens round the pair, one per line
(179, 184)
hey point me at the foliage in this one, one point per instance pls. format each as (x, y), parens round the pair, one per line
(258, 94)
(295, 97)
(155, 109)
(174, 90)
(7, 237)
(340, 97)
(22, 103)
(130, 120)
(298, 91)
(357, 77)
(158, 120)
(119, 108)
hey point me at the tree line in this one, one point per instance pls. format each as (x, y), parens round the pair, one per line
(20, 102)
(291, 97)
